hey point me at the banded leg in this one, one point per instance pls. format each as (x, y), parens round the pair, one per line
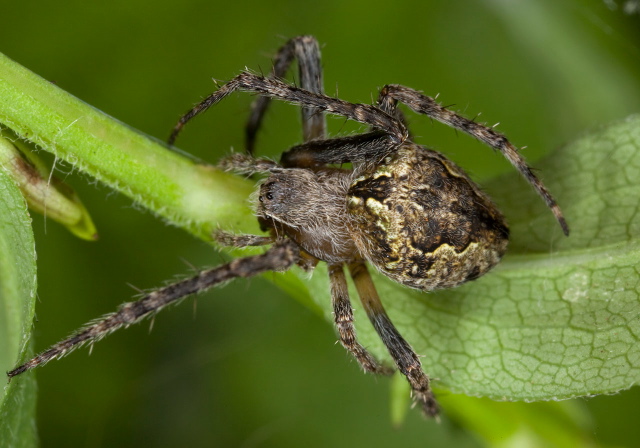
(273, 88)
(423, 104)
(281, 256)
(405, 358)
(343, 317)
(305, 49)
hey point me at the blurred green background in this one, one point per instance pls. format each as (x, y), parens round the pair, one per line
(251, 367)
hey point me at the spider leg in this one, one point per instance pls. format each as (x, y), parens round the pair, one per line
(404, 356)
(281, 256)
(343, 318)
(306, 50)
(246, 164)
(274, 88)
(423, 104)
(390, 105)
(234, 240)
(370, 147)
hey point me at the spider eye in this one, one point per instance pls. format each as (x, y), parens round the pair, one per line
(269, 196)
(260, 198)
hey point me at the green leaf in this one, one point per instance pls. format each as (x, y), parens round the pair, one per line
(17, 306)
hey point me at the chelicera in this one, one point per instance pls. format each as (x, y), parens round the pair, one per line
(406, 210)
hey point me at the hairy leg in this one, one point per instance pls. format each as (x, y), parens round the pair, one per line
(246, 164)
(273, 88)
(390, 106)
(343, 317)
(370, 148)
(423, 104)
(404, 356)
(306, 50)
(234, 240)
(280, 257)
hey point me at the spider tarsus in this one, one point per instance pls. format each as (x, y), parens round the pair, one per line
(421, 391)
(561, 220)
(17, 371)
(174, 134)
(430, 406)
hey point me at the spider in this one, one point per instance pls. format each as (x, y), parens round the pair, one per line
(404, 209)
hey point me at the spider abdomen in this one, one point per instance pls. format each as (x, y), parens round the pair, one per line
(423, 222)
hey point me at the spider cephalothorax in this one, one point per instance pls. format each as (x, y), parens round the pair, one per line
(407, 210)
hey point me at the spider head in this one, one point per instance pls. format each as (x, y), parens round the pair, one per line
(310, 207)
(288, 196)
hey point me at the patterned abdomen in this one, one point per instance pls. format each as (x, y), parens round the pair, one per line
(424, 223)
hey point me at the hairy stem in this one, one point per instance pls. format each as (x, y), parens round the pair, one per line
(194, 196)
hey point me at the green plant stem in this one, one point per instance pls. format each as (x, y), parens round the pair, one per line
(190, 195)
